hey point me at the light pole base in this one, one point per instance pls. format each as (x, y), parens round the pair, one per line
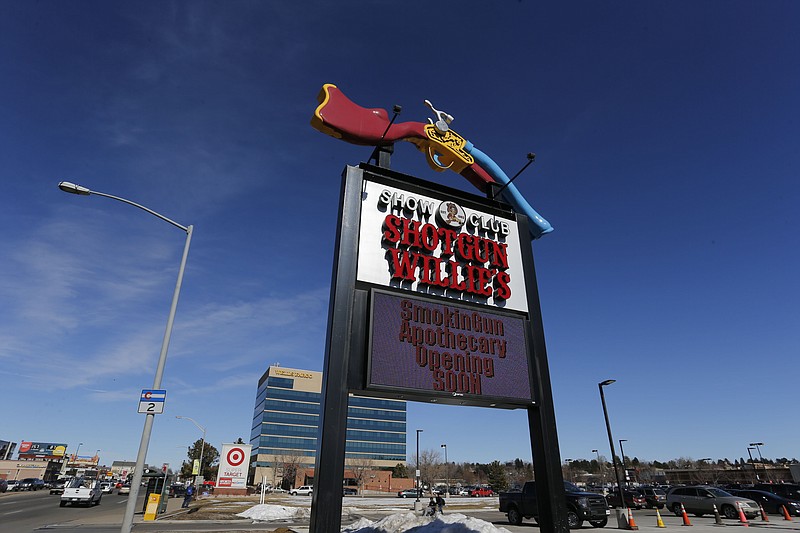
(417, 507)
(622, 518)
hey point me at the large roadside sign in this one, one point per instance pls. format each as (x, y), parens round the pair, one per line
(234, 464)
(435, 300)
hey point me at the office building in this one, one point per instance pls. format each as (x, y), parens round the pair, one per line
(286, 425)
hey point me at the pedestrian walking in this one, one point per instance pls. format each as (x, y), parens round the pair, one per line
(187, 498)
(440, 503)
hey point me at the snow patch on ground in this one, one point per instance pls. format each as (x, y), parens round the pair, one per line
(266, 512)
(411, 522)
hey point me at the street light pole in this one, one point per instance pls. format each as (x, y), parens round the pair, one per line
(202, 447)
(419, 489)
(622, 454)
(600, 467)
(755, 474)
(65, 466)
(446, 469)
(127, 521)
(610, 438)
(760, 457)
(569, 469)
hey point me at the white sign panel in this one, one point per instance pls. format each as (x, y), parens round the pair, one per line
(436, 246)
(234, 462)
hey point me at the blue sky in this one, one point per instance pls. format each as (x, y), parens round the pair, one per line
(666, 136)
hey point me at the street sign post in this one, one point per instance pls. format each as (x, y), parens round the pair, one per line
(151, 402)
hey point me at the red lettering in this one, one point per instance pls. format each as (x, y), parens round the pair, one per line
(392, 233)
(448, 236)
(411, 234)
(438, 379)
(463, 246)
(430, 237)
(499, 255)
(502, 290)
(404, 264)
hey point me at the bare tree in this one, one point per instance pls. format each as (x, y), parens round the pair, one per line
(428, 463)
(286, 464)
(360, 467)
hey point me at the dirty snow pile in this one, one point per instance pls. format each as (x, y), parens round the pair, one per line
(447, 523)
(275, 512)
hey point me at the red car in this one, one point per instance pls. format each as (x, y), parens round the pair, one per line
(481, 491)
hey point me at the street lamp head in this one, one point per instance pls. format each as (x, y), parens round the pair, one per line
(72, 188)
(595, 451)
(443, 446)
(607, 382)
(623, 440)
(756, 444)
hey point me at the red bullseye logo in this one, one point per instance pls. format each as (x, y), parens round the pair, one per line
(235, 456)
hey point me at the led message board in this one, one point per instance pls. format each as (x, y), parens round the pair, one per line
(436, 348)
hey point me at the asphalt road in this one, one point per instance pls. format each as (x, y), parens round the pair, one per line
(25, 512)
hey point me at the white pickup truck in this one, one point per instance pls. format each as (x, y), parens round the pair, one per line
(82, 491)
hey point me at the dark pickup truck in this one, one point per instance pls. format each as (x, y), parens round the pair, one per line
(581, 506)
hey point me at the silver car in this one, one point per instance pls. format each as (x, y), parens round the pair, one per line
(701, 499)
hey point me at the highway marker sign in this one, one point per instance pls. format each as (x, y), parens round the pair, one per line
(151, 402)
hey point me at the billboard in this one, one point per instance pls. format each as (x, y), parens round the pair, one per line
(437, 348)
(42, 450)
(234, 463)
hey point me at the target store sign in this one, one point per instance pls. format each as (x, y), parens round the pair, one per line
(234, 463)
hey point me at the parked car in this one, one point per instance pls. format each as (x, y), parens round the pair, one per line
(633, 499)
(349, 491)
(771, 503)
(57, 487)
(10, 484)
(409, 493)
(701, 499)
(790, 491)
(124, 489)
(305, 490)
(654, 497)
(176, 490)
(581, 506)
(478, 492)
(3, 484)
(29, 483)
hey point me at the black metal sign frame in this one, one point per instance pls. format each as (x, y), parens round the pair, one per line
(346, 361)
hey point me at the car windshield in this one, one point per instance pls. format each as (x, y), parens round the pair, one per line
(719, 493)
(75, 484)
(571, 487)
(659, 492)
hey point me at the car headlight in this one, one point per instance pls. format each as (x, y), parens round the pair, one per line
(745, 504)
(583, 502)
(794, 504)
